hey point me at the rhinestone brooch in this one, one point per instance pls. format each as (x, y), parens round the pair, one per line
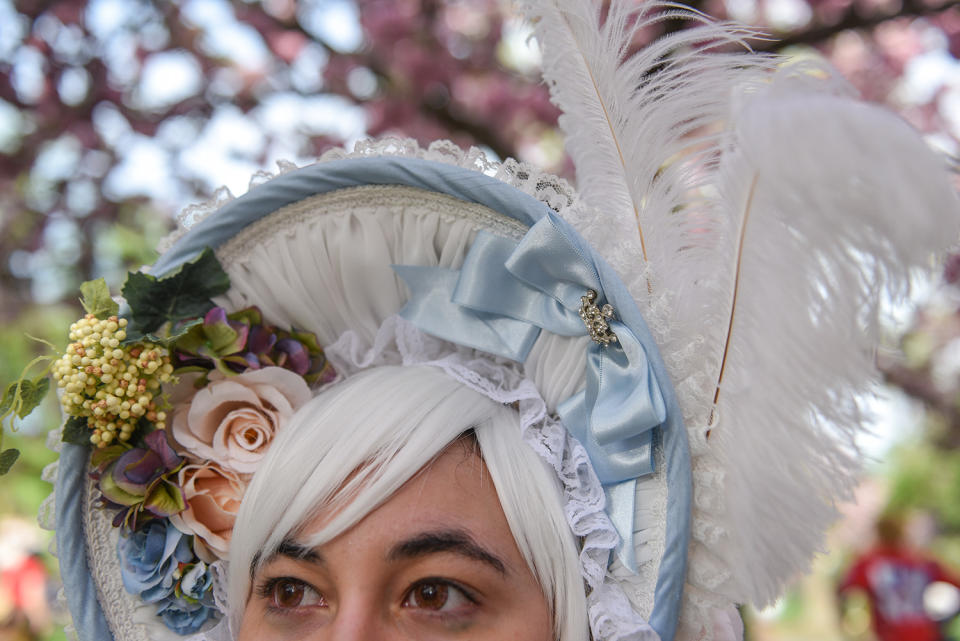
(595, 318)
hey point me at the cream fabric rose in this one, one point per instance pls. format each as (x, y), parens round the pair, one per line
(213, 497)
(232, 420)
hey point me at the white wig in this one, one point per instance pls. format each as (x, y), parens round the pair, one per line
(349, 449)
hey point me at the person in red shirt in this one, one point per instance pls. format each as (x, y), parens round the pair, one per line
(894, 579)
(23, 599)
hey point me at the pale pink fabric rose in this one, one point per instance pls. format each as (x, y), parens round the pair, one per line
(213, 497)
(233, 420)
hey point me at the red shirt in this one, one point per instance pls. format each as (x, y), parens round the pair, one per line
(895, 580)
(24, 582)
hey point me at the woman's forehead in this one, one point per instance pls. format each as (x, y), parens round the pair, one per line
(453, 486)
(451, 502)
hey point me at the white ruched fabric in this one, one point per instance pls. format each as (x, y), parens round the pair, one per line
(398, 342)
(324, 265)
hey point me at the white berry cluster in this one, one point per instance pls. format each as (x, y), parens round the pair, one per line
(110, 384)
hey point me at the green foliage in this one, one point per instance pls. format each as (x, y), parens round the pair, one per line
(18, 356)
(132, 240)
(165, 497)
(160, 305)
(170, 333)
(7, 459)
(76, 431)
(20, 398)
(96, 299)
(104, 455)
(926, 477)
(23, 396)
(23, 488)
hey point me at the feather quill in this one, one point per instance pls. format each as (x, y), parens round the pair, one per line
(827, 205)
(769, 215)
(639, 126)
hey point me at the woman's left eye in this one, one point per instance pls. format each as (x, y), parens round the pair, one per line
(287, 593)
(437, 596)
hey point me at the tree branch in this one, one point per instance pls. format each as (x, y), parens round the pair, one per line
(443, 114)
(852, 19)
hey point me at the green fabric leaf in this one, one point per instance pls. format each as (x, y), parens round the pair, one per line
(247, 316)
(192, 341)
(96, 299)
(24, 401)
(165, 498)
(32, 393)
(76, 431)
(7, 459)
(309, 340)
(185, 294)
(113, 492)
(6, 404)
(165, 335)
(224, 339)
(105, 455)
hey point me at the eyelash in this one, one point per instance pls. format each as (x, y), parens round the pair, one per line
(446, 583)
(266, 591)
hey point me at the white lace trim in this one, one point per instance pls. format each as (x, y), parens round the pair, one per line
(400, 343)
(594, 226)
(708, 579)
(555, 192)
(128, 618)
(612, 618)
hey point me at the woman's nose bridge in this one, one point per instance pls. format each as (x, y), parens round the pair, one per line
(359, 616)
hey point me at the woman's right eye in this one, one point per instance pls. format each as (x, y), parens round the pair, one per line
(288, 593)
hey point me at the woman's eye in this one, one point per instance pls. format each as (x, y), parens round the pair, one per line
(288, 593)
(438, 596)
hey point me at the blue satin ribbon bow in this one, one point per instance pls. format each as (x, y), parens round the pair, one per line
(498, 302)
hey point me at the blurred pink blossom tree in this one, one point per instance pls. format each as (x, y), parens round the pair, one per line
(116, 113)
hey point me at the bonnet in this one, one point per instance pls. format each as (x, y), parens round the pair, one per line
(687, 335)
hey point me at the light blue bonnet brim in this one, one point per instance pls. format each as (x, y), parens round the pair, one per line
(460, 183)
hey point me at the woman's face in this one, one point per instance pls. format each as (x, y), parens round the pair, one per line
(436, 561)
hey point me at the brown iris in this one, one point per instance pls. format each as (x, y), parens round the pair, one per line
(288, 594)
(430, 596)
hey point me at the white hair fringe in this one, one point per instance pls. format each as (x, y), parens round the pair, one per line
(350, 448)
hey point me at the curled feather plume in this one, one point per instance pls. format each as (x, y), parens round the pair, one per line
(826, 206)
(640, 125)
(769, 215)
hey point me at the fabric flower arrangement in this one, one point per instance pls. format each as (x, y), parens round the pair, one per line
(179, 403)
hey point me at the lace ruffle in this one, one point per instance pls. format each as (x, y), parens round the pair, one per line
(554, 191)
(398, 342)
(708, 579)
(560, 196)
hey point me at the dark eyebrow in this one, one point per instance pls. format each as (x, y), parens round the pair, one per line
(455, 541)
(290, 549)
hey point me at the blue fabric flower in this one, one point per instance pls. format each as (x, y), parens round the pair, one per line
(191, 603)
(149, 559)
(196, 583)
(184, 617)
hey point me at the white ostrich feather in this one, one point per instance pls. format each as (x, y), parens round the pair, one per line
(826, 207)
(774, 214)
(638, 126)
